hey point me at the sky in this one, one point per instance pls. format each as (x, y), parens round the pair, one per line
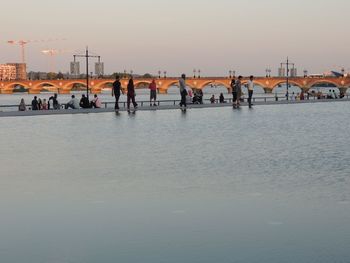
(178, 36)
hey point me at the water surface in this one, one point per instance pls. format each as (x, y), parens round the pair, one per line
(212, 185)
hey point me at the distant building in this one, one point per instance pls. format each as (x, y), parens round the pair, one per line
(21, 70)
(7, 72)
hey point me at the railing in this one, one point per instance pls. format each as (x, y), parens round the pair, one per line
(110, 104)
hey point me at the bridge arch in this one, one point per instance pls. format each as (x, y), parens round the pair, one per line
(167, 85)
(102, 84)
(143, 84)
(314, 84)
(297, 87)
(214, 82)
(40, 86)
(9, 88)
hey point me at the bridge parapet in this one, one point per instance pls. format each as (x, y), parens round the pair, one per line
(163, 84)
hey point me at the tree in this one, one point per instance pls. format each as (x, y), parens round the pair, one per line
(60, 75)
(147, 76)
(51, 75)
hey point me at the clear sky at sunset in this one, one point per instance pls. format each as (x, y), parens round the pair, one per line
(177, 36)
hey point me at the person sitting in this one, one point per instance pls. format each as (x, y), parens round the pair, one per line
(96, 102)
(212, 99)
(73, 103)
(84, 102)
(222, 98)
(22, 106)
(35, 103)
(44, 106)
(335, 95)
(330, 95)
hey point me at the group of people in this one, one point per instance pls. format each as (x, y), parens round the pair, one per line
(117, 91)
(236, 86)
(52, 103)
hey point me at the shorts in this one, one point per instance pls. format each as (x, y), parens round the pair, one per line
(153, 94)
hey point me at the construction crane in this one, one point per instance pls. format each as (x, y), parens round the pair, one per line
(52, 53)
(23, 43)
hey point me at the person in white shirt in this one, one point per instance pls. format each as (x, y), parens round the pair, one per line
(250, 87)
(73, 103)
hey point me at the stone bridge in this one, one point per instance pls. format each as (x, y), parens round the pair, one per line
(65, 86)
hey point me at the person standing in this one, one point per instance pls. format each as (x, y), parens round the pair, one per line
(131, 94)
(183, 91)
(116, 92)
(40, 104)
(35, 103)
(153, 92)
(222, 98)
(234, 94)
(238, 92)
(250, 87)
(55, 104)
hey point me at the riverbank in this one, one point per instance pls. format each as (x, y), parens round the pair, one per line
(153, 108)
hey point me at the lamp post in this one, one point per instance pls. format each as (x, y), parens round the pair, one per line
(230, 73)
(287, 64)
(159, 72)
(164, 74)
(305, 73)
(199, 73)
(87, 56)
(194, 73)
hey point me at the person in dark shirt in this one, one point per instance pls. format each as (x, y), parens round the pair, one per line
(35, 104)
(116, 92)
(222, 98)
(131, 94)
(84, 102)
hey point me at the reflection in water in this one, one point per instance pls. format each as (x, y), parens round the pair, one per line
(208, 185)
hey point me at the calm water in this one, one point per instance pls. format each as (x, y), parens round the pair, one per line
(212, 185)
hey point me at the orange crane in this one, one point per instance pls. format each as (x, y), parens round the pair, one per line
(52, 53)
(23, 43)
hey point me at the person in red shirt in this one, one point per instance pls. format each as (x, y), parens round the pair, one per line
(153, 92)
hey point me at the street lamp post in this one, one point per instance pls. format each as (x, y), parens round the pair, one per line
(230, 73)
(194, 73)
(87, 56)
(159, 72)
(164, 74)
(287, 64)
(199, 73)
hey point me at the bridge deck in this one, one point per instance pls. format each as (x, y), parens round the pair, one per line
(163, 107)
